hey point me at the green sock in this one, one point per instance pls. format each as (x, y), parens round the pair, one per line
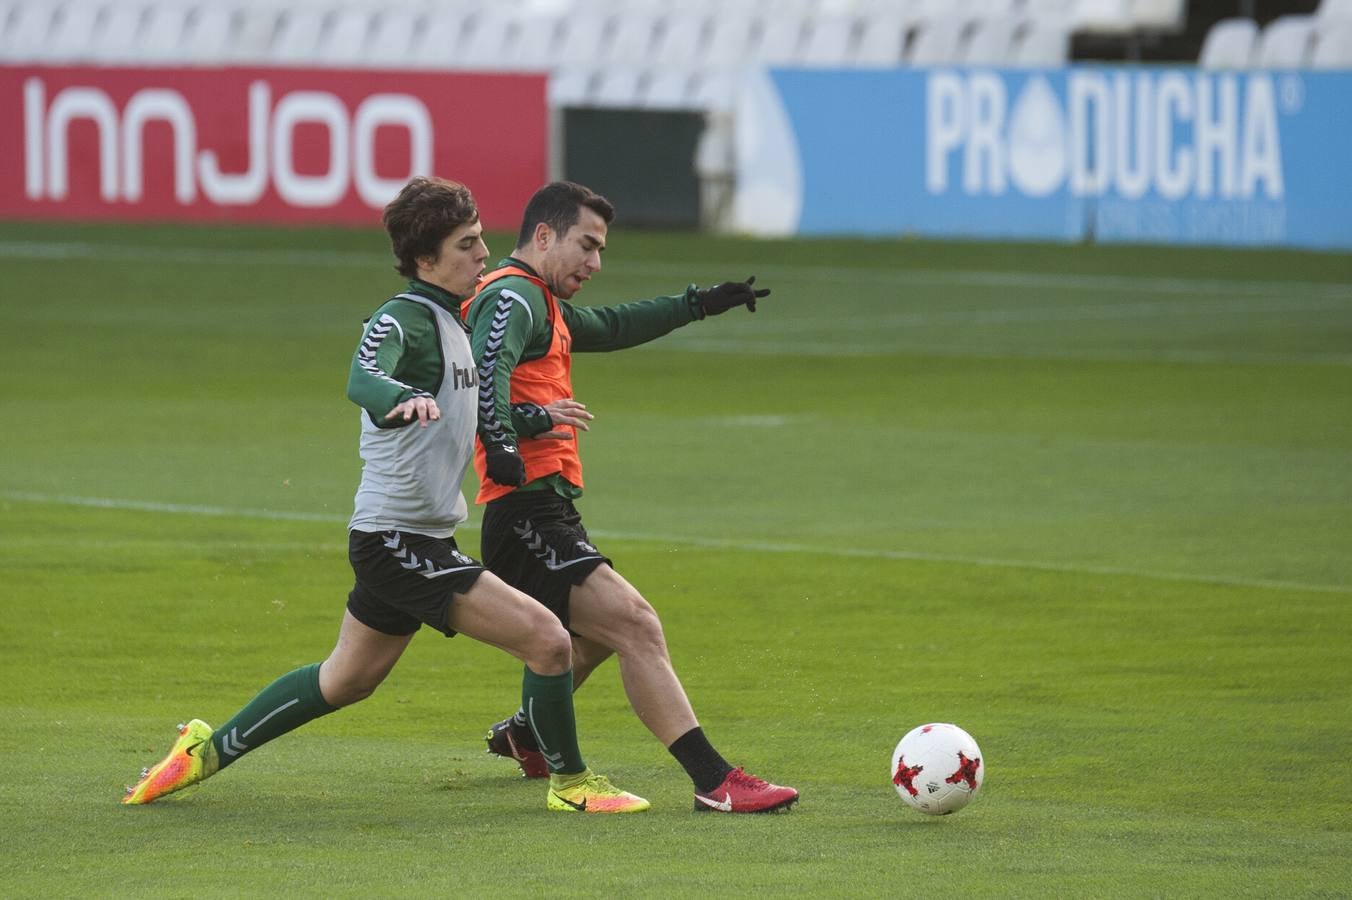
(548, 702)
(286, 704)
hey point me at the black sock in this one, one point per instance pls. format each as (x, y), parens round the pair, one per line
(705, 766)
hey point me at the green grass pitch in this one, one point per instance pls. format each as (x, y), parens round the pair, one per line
(1092, 504)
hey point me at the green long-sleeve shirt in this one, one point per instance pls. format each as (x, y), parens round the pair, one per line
(528, 333)
(394, 363)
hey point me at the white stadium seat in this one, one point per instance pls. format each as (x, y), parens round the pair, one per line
(882, 42)
(780, 40)
(257, 26)
(729, 40)
(1102, 16)
(1167, 16)
(668, 88)
(991, 42)
(1042, 46)
(584, 39)
(631, 39)
(72, 36)
(28, 37)
(992, 9)
(715, 90)
(347, 38)
(483, 45)
(438, 43)
(617, 87)
(681, 42)
(570, 87)
(1286, 43)
(1050, 13)
(209, 35)
(534, 45)
(1333, 45)
(1229, 44)
(118, 31)
(297, 39)
(829, 42)
(163, 33)
(393, 38)
(1334, 10)
(938, 42)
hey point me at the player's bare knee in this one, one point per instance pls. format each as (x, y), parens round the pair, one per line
(349, 691)
(551, 651)
(640, 629)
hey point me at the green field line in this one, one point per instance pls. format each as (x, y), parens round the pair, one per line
(857, 275)
(709, 543)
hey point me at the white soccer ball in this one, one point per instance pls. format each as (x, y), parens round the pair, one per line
(937, 769)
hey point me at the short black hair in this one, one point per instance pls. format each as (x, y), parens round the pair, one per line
(424, 214)
(559, 205)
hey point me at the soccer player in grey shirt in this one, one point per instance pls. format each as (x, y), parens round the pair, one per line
(414, 377)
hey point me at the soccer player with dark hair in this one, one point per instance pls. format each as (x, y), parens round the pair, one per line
(414, 378)
(524, 334)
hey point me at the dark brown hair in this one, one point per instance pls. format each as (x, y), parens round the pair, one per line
(559, 205)
(424, 214)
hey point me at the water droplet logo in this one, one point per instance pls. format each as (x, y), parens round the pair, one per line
(1037, 140)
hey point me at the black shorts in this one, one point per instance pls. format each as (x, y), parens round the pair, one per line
(534, 541)
(405, 580)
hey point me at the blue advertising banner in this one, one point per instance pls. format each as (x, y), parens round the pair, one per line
(1109, 153)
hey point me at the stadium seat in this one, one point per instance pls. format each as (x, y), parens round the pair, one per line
(438, 43)
(583, 40)
(729, 39)
(1102, 16)
(163, 33)
(1333, 45)
(1334, 10)
(346, 41)
(938, 42)
(1041, 45)
(715, 90)
(72, 35)
(28, 37)
(393, 36)
(681, 42)
(781, 38)
(992, 9)
(882, 42)
(1161, 16)
(296, 41)
(535, 43)
(991, 42)
(570, 87)
(119, 29)
(1050, 13)
(1229, 44)
(484, 42)
(253, 36)
(209, 35)
(668, 88)
(830, 42)
(1286, 43)
(617, 87)
(631, 40)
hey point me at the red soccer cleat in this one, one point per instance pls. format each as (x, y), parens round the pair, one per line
(741, 792)
(501, 742)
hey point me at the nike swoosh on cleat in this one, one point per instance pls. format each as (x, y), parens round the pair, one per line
(580, 807)
(724, 806)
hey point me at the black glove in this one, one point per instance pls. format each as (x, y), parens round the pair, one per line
(505, 465)
(724, 296)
